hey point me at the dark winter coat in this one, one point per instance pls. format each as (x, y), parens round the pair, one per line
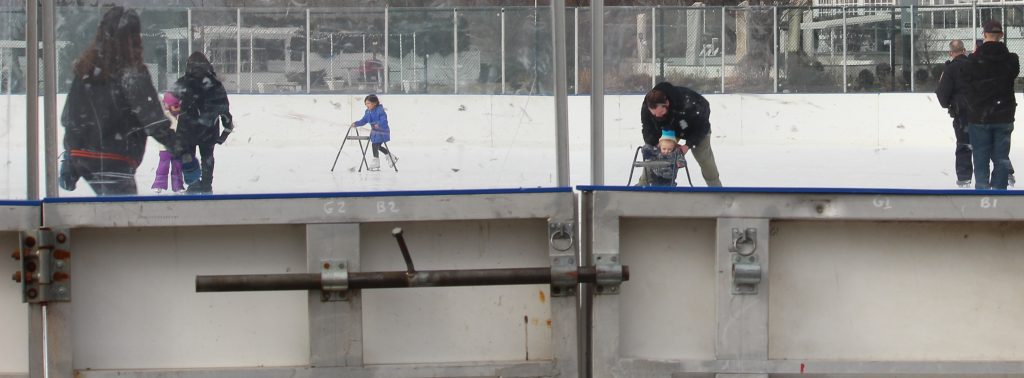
(989, 75)
(204, 106)
(952, 90)
(684, 105)
(110, 119)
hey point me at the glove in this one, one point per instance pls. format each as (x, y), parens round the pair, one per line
(68, 176)
(191, 171)
(223, 136)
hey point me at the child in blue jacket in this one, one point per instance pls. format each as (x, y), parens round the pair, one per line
(379, 131)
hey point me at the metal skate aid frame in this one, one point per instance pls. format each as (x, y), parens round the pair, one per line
(334, 277)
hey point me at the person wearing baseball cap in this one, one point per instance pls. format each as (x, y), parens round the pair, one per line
(989, 76)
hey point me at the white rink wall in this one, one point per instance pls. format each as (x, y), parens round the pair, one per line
(286, 143)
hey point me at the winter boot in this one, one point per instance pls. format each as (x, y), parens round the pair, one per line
(200, 187)
(392, 160)
(373, 165)
(964, 184)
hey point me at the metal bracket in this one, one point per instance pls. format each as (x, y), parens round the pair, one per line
(334, 281)
(561, 236)
(45, 274)
(609, 273)
(563, 276)
(746, 269)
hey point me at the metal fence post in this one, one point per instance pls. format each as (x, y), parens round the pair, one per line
(387, 61)
(188, 32)
(502, 50)
(845, 89)
(722, 55)
(912, 72)
(576, 50)
(308, 54)
(50, 102)
(654, 43)
(561, 97)
(455, 49)
(238, 50)
(775, 46)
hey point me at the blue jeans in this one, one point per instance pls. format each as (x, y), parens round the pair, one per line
(991, 142)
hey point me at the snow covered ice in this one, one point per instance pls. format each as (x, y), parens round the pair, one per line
(286, 143)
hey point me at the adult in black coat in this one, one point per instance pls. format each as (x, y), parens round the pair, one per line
(686, 113)
(990, 73)
(952, 95)
(204, 110)
(111, 109)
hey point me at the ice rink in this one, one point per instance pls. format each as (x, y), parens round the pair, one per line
(286, 143)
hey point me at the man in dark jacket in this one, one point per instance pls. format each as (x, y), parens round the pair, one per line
(952, 95)
(204, 109)
(989, 75)
(686, 113)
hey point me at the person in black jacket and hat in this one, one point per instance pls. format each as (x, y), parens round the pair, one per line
(111, 108)
(204, 110)
(989, 75)
(952, 95)
(686, 113)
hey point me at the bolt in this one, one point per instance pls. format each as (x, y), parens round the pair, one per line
(59, 264)
(341, 266)
(32, 293)
(600, 289)
(61, 237)
(820, 209)
(16, 277)
(327, 265)
(614, 289)
(30, 242)
(16, 254)
(325, 296)
(62, 290)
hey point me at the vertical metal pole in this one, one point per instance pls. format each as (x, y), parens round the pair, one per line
(844, 50)
(597, 92)
(362, 65)
(401, 60)
(36, 330)
(502, 50)
(974, 19)
(722, 54)
(654, 43)
(238, 51)
(912, 17)
(308, 54)
(387, 31)
(188, 32)
(252, 63)
(50, 99)
(561, 92)
(455, 48)
(331, 40)
(576, 50)
(775, 47)
(32, 105)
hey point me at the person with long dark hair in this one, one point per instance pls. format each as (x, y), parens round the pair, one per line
(204, 111)
(111, 109)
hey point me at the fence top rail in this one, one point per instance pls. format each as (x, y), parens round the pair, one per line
(19, 203)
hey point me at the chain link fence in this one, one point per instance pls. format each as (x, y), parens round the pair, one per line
(508, 50)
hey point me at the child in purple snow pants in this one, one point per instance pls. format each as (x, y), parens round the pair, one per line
(169, 163)
(167, 160)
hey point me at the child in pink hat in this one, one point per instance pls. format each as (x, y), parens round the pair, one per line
(168, 164)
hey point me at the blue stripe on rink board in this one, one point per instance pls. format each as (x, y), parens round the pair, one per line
(755, 190)
(20, 203)
(215, 197)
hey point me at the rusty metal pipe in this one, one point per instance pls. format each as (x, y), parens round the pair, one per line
(382, 280)
(397, 233)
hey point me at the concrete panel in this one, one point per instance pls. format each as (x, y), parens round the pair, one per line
(14, 326)
(135, 305)
(668, 305)
(896, 291)
(428, 325)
